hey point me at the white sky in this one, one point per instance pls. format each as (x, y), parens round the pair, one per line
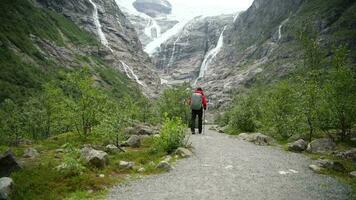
(189, 8)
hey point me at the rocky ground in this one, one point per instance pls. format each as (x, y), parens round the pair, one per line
(229, 168)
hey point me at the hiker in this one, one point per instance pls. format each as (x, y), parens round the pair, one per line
(198, 102)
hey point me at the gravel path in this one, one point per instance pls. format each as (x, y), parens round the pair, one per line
(225, 168)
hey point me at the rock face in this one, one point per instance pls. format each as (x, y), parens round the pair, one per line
(153, 8)
(180, 58)
(94, 157)
(260, 43)
(298, 146)
(8, 164)
(257, 138)
(321, 145)
(30, 153)
(6, 187)
(121, 47)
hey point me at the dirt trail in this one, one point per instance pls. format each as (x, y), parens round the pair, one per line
(225, 168)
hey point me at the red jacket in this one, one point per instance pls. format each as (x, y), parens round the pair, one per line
(204, 100)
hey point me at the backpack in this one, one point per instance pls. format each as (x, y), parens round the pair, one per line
(196, 101)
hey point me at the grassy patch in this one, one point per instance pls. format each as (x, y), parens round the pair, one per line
(40, 174)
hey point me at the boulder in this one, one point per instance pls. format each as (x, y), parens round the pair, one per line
(257, 138)
(134, 141)
(321, 145)
(94, 157)
(298, 146)
(111, 149)
(6, 187)
(164, 165)
(183, 152)
(126, 165)
(167, 158)
(329, 164)
(8, 164)
(353, 174)
(315, 168)
(30, 153)
(141, 170)
(349, 155)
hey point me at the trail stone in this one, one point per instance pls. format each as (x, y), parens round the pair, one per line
(167, 158)
(298, 146)
(31, 153)
(321, 145)
(315, 168)
(134, 141)
(353, 174)
(126, 165)
(94, 157)
(329, 164)
(6, 187)
(257, 138)
(183, 152)
(8, 164)
(164, 165)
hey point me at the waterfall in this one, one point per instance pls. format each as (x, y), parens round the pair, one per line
(101, 34)
(210, 56)
(236, 16)
(280, 28)
(130, 73)
(174, 48)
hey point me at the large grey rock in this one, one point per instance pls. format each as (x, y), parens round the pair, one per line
(298, 146)
(164, 165)
(141, 129)
(321, 145)
(257, 138)
(329, 164)
(134, 141)
(6, 187)
(8, 164)
(183, 152)
(94, 157)
(349, 154)
(31, 153)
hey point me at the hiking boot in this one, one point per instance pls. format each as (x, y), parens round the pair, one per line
(193, 133)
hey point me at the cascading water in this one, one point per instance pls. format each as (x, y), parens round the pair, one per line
(280, 28)
(101, 34)
(174, 48)
(210, 56)
(130, 73)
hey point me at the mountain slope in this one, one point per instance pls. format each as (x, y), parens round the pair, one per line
(36, 43)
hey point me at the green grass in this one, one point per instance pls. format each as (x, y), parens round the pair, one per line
(39, 175)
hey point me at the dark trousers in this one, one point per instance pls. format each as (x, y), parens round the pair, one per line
(200, 120)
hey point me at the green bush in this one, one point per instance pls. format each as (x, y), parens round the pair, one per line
(71, 165)
(172, 136)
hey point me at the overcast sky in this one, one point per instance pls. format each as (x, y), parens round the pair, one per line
(188, 8)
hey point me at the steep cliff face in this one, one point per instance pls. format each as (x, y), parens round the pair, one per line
(153, 8)
(180, 58)
(121, 47)
(40, 38)
(260, 44)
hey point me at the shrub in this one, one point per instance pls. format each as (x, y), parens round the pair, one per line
(172, 136)
(71, 165)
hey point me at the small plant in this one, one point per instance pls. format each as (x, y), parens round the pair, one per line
(71, 165)
(172, 136)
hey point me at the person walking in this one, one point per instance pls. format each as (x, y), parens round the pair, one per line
(198, 104)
